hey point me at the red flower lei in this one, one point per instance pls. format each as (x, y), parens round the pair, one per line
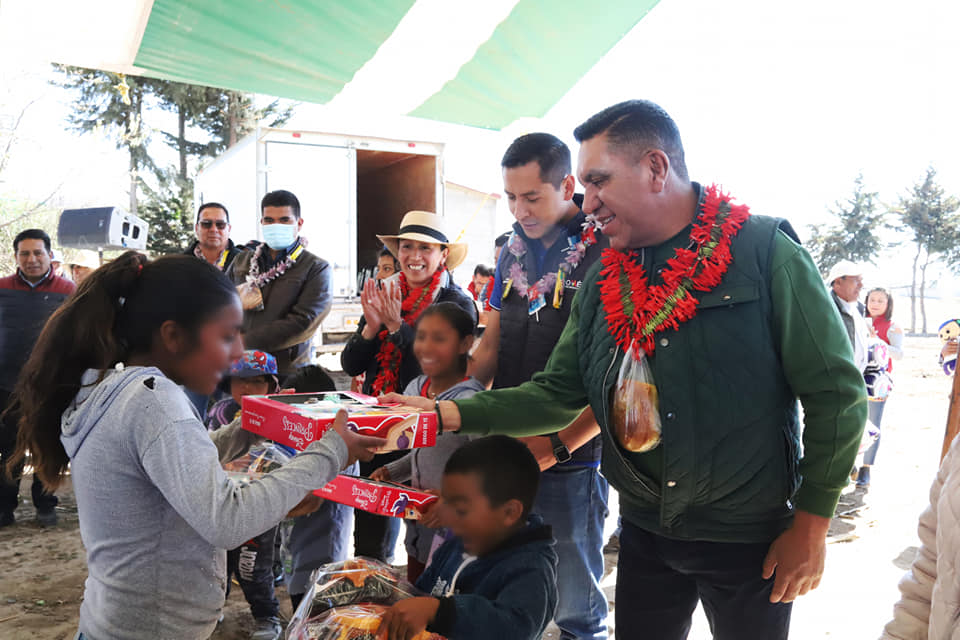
(636, 311)
(415, 300)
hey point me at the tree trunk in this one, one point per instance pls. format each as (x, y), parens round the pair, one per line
(182, 140)
(923, 287)
(913, 291)
(133, 122)
(232, 108)
(133, 183)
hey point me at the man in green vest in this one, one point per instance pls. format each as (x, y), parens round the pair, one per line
(725, 314)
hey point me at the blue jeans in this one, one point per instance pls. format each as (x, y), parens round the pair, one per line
(875, 413)
(252, 565)
(573, 501)
(660, 580)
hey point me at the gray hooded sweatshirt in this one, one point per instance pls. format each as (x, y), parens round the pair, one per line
(157, 510)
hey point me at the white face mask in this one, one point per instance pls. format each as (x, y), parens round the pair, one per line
(279, 236)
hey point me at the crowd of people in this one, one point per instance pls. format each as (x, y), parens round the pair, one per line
(649, 304)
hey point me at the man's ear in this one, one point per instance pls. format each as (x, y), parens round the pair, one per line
(659, 165)
(466, 344)
(512, 511)
(568, 186)
(299, 224)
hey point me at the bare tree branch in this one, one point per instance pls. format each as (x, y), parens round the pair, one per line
(34, 209)
(5, 156)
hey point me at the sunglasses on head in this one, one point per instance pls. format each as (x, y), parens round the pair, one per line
(208, 224)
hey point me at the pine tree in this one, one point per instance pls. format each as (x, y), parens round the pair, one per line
(854, 234)
(115, 103)
(119, 104)
(933, 221)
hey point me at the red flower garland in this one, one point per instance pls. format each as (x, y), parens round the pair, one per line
(636, 311)
(415, 300)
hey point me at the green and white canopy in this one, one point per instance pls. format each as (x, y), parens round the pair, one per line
(482, 62)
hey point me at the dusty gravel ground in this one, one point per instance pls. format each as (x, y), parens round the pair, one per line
(41, 584)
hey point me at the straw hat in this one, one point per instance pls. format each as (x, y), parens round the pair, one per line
(425, 226)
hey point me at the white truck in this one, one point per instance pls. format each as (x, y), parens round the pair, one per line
(350, 188)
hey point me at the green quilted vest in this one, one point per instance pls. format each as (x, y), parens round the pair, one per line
(726, 468)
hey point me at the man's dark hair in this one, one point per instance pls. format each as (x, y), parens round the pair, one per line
(31, 234)
(310, 379)
(281, 198)
(506, 468)
(501, 239)
(483, 270)
(212, 205)
(634, 127)
(546, 149)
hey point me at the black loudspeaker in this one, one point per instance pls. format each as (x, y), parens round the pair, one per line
(101, 228)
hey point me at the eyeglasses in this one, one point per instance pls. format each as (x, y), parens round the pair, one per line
(208, 224)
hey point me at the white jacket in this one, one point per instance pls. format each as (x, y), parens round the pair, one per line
(929, 606)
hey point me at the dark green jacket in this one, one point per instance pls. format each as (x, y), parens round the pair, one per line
(728, 468)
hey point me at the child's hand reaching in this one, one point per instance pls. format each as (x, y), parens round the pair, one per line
(359, 447)
(432, 518)
(407, 618)
(419, 402)
(380, 475)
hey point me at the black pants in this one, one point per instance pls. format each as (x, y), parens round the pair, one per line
(252, 564)
(376, 536)
(10, 484)
(660, 580)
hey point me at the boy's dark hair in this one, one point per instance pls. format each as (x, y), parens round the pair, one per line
(501, 239)
(31, 234)
(281, 198)
(634, 127)
(483, 270)
(310, 379)
(507, 469)
(546, 149)
(212, 205)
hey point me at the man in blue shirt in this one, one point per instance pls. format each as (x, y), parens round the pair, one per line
(537, 275)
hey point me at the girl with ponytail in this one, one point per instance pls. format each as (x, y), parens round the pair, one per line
(102, 392)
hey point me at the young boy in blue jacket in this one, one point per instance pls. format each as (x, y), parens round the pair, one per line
(497, 577)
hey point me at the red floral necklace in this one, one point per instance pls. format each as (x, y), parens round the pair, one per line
(635, 310)
(415, 300)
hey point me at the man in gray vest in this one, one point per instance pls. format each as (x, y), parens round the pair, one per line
(846, 281)
(537, 275)
(724, 323)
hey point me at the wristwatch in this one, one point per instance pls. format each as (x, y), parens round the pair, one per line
(560, 451)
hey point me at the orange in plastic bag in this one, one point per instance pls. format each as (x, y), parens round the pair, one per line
(636, 409)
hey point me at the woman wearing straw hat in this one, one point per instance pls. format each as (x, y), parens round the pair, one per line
(382, 347)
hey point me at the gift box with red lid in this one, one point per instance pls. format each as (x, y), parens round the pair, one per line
(297, 419)
(381, 498)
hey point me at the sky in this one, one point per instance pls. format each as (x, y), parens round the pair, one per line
(782, 103)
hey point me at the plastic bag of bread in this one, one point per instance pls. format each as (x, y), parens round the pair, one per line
(260, 459)
(250, 296)
(636, 410)
(354, 622)
(355, 581)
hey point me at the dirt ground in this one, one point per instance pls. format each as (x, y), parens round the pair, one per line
(871, 545)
